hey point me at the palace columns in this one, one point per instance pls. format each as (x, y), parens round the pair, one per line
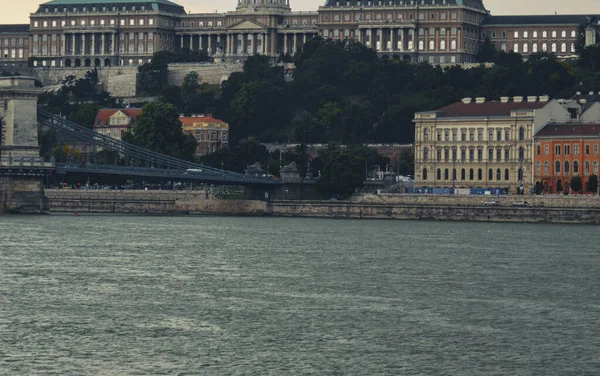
(103, 49)
(285, 45)
(93, 44)
(295, 42)
(83, 46)
(209, 48)
(252, 44)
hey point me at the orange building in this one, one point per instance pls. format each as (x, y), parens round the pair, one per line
(565, 150)
(210, 133)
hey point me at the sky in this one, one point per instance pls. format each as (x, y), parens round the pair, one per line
(18, 11)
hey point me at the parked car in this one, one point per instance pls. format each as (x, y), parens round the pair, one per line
(521, 203)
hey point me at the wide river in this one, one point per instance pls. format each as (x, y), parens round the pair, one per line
(130, 295)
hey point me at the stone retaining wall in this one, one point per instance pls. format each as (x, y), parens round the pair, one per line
(122, 81)
(547, 209)
(22, 195)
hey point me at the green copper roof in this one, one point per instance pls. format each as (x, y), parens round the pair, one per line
(163, 5)
(107, 2)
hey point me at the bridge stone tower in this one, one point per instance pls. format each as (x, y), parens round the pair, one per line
(21, 168)
(18, 109)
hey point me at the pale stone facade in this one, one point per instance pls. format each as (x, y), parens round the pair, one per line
(480, 144)
(65, 33)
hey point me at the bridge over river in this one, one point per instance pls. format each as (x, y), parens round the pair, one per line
(22, 169)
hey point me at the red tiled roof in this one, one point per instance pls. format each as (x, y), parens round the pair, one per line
(188, 120)
(493, 108)
(104, 114)
(569, 130)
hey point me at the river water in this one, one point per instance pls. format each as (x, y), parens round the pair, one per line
(129, 295)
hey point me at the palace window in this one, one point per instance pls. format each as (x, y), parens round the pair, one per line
(507, 174)
(587, 167)
(546, 168)
(557, 150)
(480, 174)
(575, 167)
(557, 167)
(567, 169)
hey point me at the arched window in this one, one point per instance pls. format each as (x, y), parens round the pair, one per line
(525, 48)
(498, 175)
(516, 47)
(491, 175)
(442, 45)
(431, 45)
(563, 47)
(554, 34)
(521, 153)
(446, 174)
(426, 134)
(563, 34)
(567, 169)
(553, 47)
(453, 45)
(575, 167)
(480, 174)
(557, 167)
(425, 174)
(595, 167)
(535, 34)
(453, 174)
(421, 45)
(544, 47)
(546, 168)
(525, 34)
(506, 174)
(573, 34)
(520, 174)
(516, 34)
(521, 134)
(572, 47)
(439, 174)
(534, 48)
(463, 174)
(503, 47)
(544, 34)
(587, 167)
(471, 174)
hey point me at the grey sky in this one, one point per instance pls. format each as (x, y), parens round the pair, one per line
(18, 11)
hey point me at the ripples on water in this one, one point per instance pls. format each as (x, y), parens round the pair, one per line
(112, 295)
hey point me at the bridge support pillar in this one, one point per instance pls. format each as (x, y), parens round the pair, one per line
(21, 188)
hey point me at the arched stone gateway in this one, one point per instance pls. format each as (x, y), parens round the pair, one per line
(88, 62)
(68, 63)
(97, 62)
(107, 62)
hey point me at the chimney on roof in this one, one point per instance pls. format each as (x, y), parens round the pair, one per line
(480, 100)
(517, 99)
(467, 100)
(531, 99)
(544, 98)
(504, 99)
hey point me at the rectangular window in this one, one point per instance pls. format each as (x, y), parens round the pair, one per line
(507, 135)
(546, 150)
(576, 149)
(595, 149)
(539, 150)
(567, 150)
(587, 149)
(499, 135)
(557, 150)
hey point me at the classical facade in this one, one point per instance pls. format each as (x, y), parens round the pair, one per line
(210, 133)
(481, 144)
(564, 149)
(128, 32)
(115, 122)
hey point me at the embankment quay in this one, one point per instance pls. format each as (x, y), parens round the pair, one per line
(539, 209)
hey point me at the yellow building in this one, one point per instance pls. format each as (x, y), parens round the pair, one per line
(210, 133)
(481, 144)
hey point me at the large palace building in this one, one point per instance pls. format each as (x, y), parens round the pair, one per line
(64, 33)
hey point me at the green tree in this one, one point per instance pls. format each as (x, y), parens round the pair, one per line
(342, 171)
(85, 115)
(307, 128)
(487, 51)
(592, 184)
(576, 184)
(158, 128)
(153, 76)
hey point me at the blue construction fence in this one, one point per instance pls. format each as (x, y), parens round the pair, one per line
(462, 191)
